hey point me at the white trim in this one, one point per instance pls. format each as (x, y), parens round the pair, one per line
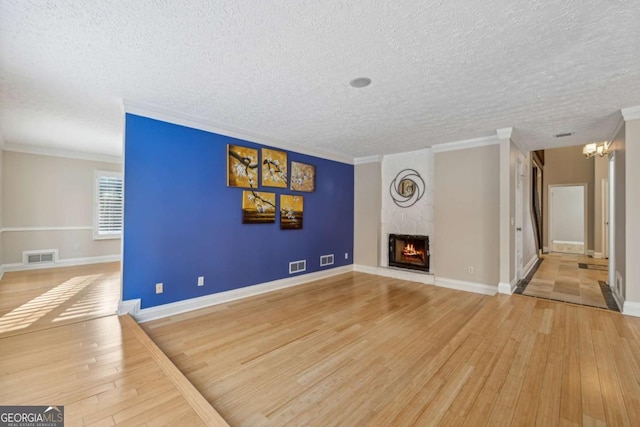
(597, 255)
(165, 310)
(527, 268)
(630, 113)
(165, 115)
(62, 228)
(616, 130)
(465, 144)
(631, 308)
(131, 307)
(55, 152)
(461, 285)
(397, 273)
(504, 133)
(619, 299)
(590, 253)
(507, 288)
(62, 263)
(365, 269)
(368, 159)
(568, 242)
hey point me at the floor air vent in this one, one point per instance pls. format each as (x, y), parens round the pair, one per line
(326, 260)
(297, 266)
(39, 257)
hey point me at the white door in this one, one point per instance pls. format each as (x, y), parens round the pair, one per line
(567, 212)
(519, 217)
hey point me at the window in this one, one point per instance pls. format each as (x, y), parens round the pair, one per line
(108, 205)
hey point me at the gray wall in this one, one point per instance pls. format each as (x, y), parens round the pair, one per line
(568, 166)
(44, 192)
(466, 214)
(367, 208)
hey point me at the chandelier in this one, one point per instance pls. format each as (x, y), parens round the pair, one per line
(599, 148)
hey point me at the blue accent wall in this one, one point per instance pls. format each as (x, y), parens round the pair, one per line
(181, 220)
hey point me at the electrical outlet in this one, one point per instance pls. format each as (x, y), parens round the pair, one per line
(470, 269)
(159, 288)
(346, 255)
(201, 281)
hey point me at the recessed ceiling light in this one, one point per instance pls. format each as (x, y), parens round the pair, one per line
(562, 135)
(360, 82)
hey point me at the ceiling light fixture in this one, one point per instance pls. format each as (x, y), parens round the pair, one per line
(599, 148)
(360, 82)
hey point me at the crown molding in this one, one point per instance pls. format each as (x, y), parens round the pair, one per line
(165, 115)
(465, 144)
(504, 133)
(368, 159)
(631, 113)
(54, 152)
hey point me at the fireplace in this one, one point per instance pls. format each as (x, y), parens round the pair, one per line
(409, 251)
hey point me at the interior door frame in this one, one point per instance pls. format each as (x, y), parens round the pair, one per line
(604, 188)
(584, 210)
(519, 221)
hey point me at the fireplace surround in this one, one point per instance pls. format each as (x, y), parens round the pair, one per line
(409, 251)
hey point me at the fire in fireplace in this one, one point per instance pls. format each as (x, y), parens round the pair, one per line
(409, 251)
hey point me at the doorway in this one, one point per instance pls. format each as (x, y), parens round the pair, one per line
(567, 218)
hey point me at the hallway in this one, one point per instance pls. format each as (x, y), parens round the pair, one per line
(572, 278)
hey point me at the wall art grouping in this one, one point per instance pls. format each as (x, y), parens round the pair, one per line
(245, 170)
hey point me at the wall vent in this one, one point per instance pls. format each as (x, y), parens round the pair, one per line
(326, 260)
(297, 266)
(47, 256)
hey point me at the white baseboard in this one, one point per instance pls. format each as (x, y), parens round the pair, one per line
(530, 265)
(1, 271)
(365, 269)
(598, 255)
(590, 253)
(411, 276)
(165, 310)
(131, 307)
(460, 285)
(619, 299)
(61, 263)
(631, 308)
(507, 288)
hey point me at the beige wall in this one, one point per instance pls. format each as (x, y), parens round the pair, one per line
(601, 172)
(1, 233)
(367, 208)
(46, 191)
(466, 214)
(632, 211)
(568, 166)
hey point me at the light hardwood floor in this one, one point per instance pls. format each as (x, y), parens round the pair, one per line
(40, 299)
(63, 345)
(359, 350)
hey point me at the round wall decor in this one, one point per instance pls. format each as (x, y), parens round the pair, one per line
(407, 188)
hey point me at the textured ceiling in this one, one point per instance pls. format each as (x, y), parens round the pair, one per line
(442, 71)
